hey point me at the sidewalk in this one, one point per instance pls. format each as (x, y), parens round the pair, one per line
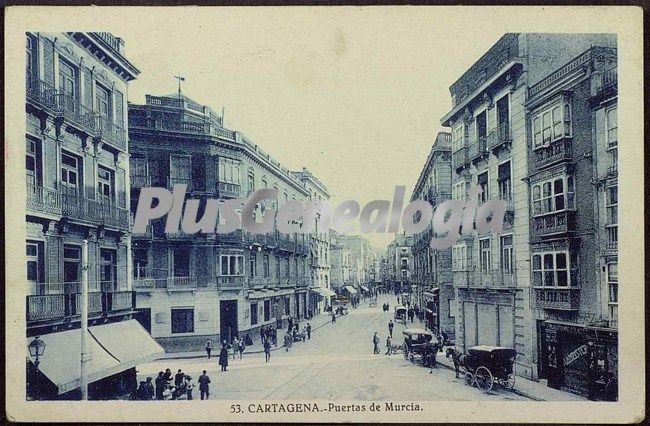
(537, 391)
(316, 322)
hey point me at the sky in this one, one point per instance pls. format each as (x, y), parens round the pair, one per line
(354, 94)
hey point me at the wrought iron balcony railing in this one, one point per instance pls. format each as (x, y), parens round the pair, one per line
(67, 305)
(557, 298)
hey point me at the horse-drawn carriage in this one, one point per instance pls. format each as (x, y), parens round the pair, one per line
(400, 313)
(486, 365)
(418, 347)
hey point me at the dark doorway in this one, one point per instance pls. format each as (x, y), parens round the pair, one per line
(228, 319)
(143, 316)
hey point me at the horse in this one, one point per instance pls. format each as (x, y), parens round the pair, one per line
(457, 358)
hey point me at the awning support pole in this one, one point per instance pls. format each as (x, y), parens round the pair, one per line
(84, 320)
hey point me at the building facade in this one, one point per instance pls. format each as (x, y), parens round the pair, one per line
(193, 287)
(572, 177)
(490, 133)
(399, 263)
(76, 186)
(340, 262)
(432, 275)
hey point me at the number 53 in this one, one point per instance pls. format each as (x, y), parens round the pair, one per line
(235, 408)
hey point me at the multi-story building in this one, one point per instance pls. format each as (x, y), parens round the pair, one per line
(319, 256)
(573, 195)
(432, 277)
(76, 170)
(490, 131)
(193, 287)
(340, 262)
(399, 262)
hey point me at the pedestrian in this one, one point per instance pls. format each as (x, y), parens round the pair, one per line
(375, 342)
(178, 378)
(160, 385)
(333, 318)
(235, 348)
(391, 325)
(262, 334)
(241, 348)
(223, 356)
(204, 386)
(188, 386)
(248, 340)
(441, 341)
(138, 395)
(410, 314)
(308, 331)
(290, 326)
(287, 341)
(168, 376)
(148, 393)
(389, 345)
(208, 347)
(267, 350)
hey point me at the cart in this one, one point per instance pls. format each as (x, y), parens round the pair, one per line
(418, 347)
(488, 365)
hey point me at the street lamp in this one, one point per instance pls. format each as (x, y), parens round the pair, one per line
(36, 349)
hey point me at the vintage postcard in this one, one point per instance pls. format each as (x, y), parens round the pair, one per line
(330, 214)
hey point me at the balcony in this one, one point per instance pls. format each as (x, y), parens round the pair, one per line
(205, 128)
(561, 299)
(478, 151)
(51, 201)
(495, 278)
(85, 119)
(181, 283)
(228, 190)
(67, 306)
(460, 158)
(230, 282)
(555, 153)
(553, 224)
(499, 136)
(604, 83)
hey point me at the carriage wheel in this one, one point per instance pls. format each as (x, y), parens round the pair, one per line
(469, 379)
(510, 383)
(411, 356)
(484, 379)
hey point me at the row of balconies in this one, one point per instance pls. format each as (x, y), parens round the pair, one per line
(187, 283)
(184, 127)
(72, 206)
(67, 306)
(85, 119)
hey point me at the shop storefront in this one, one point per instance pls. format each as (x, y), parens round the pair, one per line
(579, 359)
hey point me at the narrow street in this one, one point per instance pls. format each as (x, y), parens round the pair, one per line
(337, 363)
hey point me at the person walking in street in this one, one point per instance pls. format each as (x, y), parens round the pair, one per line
(168, 376)
(287, 341)
(208, 347)
(308, 331)
(290, 326)
(391, 325)
(411, 314)
(204, 385)
(375, 342)
(235, 348)
(389, 345)
(223, 356)
(267, 350)
(188, 385)
(160, 385)
(178, 378)
(333, 318)
(241, 348)
(148, 394)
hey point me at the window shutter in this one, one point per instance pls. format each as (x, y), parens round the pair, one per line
(88, 87)
(119, 108)
(48, 57)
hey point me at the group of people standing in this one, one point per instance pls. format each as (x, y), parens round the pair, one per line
(165, 387)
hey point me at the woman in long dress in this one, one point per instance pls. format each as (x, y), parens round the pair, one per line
(223, 356)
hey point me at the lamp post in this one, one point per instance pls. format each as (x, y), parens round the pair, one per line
(36, 349)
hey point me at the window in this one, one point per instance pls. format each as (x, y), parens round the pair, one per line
(288, 268)
(140, 262)
(458, 140)
(551, 269)
(34, 262)
(507, 254)
(458, 191)
(71, 266)
(453, 307)
(32, 163)
(105, 183)
(251, 183)
(181, 261)
(459, 258)
(611, 124)
(253, 264)
(182, 320)
(67, 81)
(266, 265)
(553, 195)
(611, 204)
(180, 170)
(267, 310)
(108, 265)
(70, 174)
(232, 265)
(254, 313)
(229, 170)
(504, 181)
(481, 131)
(485, 255)
(482, 180)
(612, 287)
(551, 123)
(138, 166)
(32, 55)
(103, 102)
